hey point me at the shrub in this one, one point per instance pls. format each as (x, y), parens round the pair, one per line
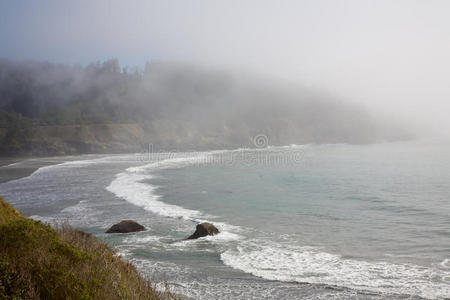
(40, 262)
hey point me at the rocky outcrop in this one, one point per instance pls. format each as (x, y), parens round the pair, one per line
(204, 229)
(125, 226)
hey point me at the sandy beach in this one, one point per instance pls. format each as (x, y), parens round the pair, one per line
(15, 168)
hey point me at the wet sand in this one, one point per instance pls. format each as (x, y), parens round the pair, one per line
(15, 168)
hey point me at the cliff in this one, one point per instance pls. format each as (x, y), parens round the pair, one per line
(50, 109)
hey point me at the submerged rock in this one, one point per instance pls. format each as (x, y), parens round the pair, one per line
(204, 229)
(125, 226)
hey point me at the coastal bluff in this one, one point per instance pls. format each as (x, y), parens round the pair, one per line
(38, 261)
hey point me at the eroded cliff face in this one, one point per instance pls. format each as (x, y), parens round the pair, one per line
(78, 139)
(158, 136)
(49, 109)
(118, 138)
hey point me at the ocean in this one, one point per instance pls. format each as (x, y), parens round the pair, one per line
(297, 222)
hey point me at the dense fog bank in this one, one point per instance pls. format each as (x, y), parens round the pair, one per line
(176, 105)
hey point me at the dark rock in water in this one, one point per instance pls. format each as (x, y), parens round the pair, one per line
(204, 229)
(125, 226)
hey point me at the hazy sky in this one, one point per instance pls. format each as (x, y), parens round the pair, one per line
(392, 55)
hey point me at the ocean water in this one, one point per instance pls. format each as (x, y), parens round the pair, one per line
(296, 222)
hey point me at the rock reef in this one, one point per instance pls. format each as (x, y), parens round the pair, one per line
(126, 226)
(204, 229)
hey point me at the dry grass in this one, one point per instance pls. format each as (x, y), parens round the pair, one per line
(7, 212)
(40, 262)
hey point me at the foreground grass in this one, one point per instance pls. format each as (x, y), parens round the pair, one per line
(40, 262)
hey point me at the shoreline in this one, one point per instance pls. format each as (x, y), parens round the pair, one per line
(69, 158)
(16, 168)
(13, 169)
(20, 167)
(31, 248)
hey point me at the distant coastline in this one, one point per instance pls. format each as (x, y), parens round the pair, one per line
(52, 110)
(12, 168)
(9, 172)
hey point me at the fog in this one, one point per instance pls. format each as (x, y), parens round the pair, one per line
(178, 106)
(389, 56)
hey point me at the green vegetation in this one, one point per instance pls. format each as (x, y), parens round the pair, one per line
(178, 107)
(15, 130)
(8, 213)
(39, 262)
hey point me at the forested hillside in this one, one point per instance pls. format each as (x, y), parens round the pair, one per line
(48, 109)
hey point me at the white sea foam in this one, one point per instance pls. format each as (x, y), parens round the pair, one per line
(170, 163)
(67, 164)
(130, 187)
(137, 239)
(12, 165)
(49, 220)
(306, 265)
(224, 236)
(445, 263)
(283, 262)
